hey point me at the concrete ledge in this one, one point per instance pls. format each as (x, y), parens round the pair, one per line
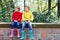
(35, 25)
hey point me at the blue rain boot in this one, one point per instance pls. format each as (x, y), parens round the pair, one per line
(22, 35)
(31, 34)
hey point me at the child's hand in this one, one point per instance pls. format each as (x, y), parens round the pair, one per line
(15, 21)
(27, 21)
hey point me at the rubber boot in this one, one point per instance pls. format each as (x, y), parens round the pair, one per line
(18, 32)
(31, 34)
(12, 33)
(22, 35)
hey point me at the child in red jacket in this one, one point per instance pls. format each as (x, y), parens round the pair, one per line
(16, 18)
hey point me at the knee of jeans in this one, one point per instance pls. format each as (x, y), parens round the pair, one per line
(23, 24)
(30, 24)
(18, 25)
(12, 23)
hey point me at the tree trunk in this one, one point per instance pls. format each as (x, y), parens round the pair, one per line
(58, 8)
(38, 6)
(24, 3)
(49, 6)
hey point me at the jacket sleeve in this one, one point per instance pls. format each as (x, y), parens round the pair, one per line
(12, 16)
(31, 16)
(23, 18)
(20, 17)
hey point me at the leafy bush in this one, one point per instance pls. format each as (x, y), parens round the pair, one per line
(44, 17)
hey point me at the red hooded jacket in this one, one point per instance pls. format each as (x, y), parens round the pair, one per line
(16, 16)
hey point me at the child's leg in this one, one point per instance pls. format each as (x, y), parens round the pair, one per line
(12, 29)
(30, 28)
(18, 25)
(23, 25)
(12, 25)
(18, 29)
(23, 28)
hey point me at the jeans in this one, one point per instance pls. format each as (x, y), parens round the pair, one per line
(29, 26)
(17, 23)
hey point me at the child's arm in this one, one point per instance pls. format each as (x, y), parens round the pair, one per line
(11, 16)
(31, 16)
(23, 18)
(20, 17)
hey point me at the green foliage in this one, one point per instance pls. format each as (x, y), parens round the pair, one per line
(39, 6)
(44, 17)
(6, 9)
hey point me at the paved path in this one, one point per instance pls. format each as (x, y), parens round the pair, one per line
(38, 33)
